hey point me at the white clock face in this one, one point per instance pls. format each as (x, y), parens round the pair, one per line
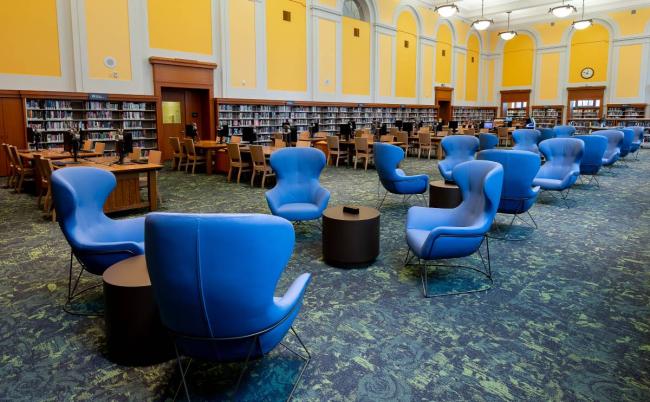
(587, 73)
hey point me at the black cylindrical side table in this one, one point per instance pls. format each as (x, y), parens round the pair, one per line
(350, 240)
(444, 195)
(134, 333)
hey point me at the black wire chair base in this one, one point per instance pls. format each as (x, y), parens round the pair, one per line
(306, 358)
(563, 196)
(589, 180)
(405, 198)
(507, 235)
(486, 271)
(74, 294)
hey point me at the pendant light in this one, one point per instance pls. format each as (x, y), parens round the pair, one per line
(563, 11)
(482, 23)
(582, 23)
(508, 34)
(446, 10)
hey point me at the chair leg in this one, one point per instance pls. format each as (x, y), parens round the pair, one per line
(263, 179)
(238, 174)
(229, 173)
(193, 166)
(337, 160)
(329, 158)
(19, 187)
(366, 168)
(253, 174)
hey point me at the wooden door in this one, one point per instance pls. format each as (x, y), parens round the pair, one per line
(12, 128)
(173, 119)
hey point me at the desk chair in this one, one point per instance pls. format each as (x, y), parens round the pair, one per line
(178, 154)
(334, 149)
(387, 138)
(304, 135)
(259, 164)
(192, 156)
(87, 146)
(11, 177)
(236, 162)
(278, 143)
(100, 147)
(235, 139)
(424, 143)
(45, 169)
(403, 137)
(23, 171)
(504, 136)
(136, 154)
(303, 144)
(362, 150)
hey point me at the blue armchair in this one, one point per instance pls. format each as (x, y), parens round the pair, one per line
(458, 149)
(518, 194)
(487, 141)
(545, 134)
(526, 140)
(562, 167)
(214, 278)
(564, 131)
(592, 160)
(614, 142)
(436, 234)
(636, 142)
(394, 180)
(96, 241)
(298, 195)
(628, 138)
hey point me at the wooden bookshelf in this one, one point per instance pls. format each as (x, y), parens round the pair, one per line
(547, 116)
(626, 111)
(475, 114)
(585, 107)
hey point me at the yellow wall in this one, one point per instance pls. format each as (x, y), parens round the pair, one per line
(30, 38)
(489, 79)
(427, 72)
(327, 56)
(107, 27)
(386, 10)
(242, 49)
(549, 76)
(589, 48)
(184, 26)
(385, 58)
(518, 57)
(629, 71)
(473, 49)
(356, 57)
(329, 3)
(406, 57)
(462, 29)
(429, 20)
(459, 90)
(443, 63)
(631, 24)
(552, 33)
(286, 45)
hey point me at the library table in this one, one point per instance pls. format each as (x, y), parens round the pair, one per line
(210, 148)
(350, 145)
(126, 195)
(245, 149)
(55, 155)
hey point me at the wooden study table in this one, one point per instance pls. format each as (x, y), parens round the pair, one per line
(209, 148)
(268, 150)
(126, 195)
(55, 155)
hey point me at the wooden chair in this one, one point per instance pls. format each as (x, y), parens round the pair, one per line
(136, 154)
(484, 131)
(304, 135)
(235, 139)
(362, 150)
(393, 130)
(88, 145)
(403, 137)
(469, 131)
(504, 136)
(387, 138)
(11, 178)
(424, 143)
(278, 143)
(154, 157)
(44, 186)
(321, 134)
(23, 172)
(234, 154)
(259, 164)
(100, 147)
(305, 144)
(192, 156)
(358, 133)
(178, 154)
(333, 148)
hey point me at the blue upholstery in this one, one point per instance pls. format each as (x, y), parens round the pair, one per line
(298, 195)
(638, 138)
(526, 140)
(458, 149)
(545, 134)
(595, 147)
(519, 169)
(394, 180)
(433, 233)
(564, 131)
(97, 241)
(614, 142)
(562, 167)
(487, 141)
(628, 138)
(214, 276)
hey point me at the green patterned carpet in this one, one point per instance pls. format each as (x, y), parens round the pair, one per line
(568, 317)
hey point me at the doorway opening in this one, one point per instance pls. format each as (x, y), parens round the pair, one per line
(182, 107)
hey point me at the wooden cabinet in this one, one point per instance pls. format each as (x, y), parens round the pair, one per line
(12, 125)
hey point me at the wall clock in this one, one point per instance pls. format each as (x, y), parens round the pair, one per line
(587, 73)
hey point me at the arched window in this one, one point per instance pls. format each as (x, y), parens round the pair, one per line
(352, 9)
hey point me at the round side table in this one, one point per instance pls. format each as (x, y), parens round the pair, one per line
(134, 333)
(350, 240)
(444, 195)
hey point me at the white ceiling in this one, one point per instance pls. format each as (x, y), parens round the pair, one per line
(533, 10)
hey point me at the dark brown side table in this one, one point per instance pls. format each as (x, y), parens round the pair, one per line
(134, 333)
(444, 195)
(350, 240)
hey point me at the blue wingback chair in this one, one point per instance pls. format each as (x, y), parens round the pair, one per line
(214, 278)
(614, 142)
(435, 234)
(487, 141)
(394, 180)
(526, 140)
(545, 134)
(298, 195)
(564, 131)
(628, 138)
(519, 170)
(638, 139)
(458, 149)
(96, 241)
(592, 160)
(562, 167)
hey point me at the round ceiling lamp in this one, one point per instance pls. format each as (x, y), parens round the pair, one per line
(508, 34)
(563, 11)
(482, 23)
(582, 23)
(446, 10)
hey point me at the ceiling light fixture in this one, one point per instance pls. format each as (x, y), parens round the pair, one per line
(446, 10)
(582, 23)
(508, 34)
(482, 23)
(563, 11)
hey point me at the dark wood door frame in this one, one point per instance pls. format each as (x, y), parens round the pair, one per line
(444, 94)
(515, 95)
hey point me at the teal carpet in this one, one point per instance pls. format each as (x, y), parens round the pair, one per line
(568, 317)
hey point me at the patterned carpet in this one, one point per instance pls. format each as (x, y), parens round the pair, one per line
(568, 317)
